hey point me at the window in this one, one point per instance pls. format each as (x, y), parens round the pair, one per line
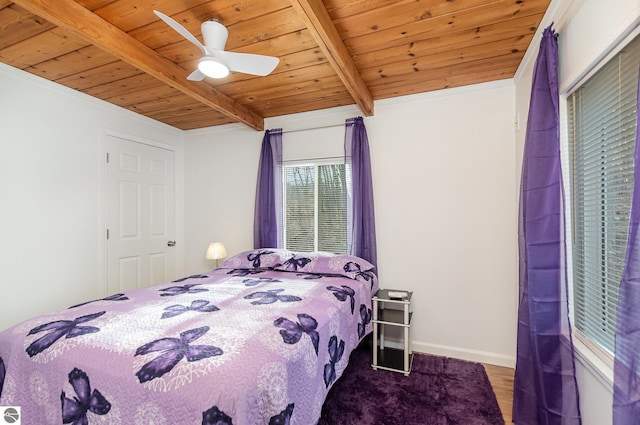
(316, 204)
(602, 124)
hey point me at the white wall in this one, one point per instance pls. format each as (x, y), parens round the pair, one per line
(588, 30)
(443, 167)
(51, 159)
(220, 184)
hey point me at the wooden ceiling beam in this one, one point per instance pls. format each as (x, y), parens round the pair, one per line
(71, 16)
(319, 23)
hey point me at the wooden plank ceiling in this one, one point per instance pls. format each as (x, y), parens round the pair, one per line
(332, 52)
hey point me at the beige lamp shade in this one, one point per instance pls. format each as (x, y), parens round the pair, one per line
(216, 251)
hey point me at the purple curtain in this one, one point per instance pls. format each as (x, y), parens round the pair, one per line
(268, 208)
(545, 388)
(363, 237)
(626, 367)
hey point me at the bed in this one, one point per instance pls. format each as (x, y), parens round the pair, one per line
(259, 340)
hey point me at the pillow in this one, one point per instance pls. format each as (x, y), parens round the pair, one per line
(326, 263)
(321, 263)
(264, 258)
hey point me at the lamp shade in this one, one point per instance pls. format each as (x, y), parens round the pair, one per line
(216, 251)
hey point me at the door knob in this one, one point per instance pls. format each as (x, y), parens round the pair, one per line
(171, 243)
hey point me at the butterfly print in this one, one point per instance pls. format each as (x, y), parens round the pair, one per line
(60, 328)
(271, 296)
(74, 410)
(294, 263)
(335, 354)
(173, 350)
(202, 306)
(244, 272)
(182, 289)
(193, 276)
(309, 276)
(284, 417)
(365, 315)
(352, 267)
(115, 297)
(3, 372)
(215, 416)
(254, 282)
(343, 293)
(255, 258)
(292, 331)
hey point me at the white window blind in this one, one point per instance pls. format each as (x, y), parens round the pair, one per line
(300, 207)
(316, 203)
(602, 124)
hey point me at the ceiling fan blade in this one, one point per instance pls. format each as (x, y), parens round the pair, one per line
(248, 63)
(181, 30)
(196, 75)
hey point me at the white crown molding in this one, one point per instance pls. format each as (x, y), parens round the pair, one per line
(445, 93)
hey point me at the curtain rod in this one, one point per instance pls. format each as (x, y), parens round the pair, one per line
(295, 130)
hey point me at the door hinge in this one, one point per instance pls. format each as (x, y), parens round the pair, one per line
(107, 157)
(107, 234)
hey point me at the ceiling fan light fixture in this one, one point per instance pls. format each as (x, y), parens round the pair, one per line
(212, 67)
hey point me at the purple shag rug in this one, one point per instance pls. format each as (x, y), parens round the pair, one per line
(438, 391)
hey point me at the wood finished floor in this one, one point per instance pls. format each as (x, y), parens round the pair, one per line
(501, 379)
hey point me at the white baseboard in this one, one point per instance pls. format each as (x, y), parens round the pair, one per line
(458, 353)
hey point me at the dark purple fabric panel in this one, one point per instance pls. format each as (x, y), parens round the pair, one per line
(3, 372)
(545, 388)
(363, 238)
(626, 389)
(268, 191)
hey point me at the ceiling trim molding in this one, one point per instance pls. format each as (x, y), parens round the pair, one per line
(319, 23)
(71, 16)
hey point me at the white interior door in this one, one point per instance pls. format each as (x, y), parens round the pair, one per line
(140, 214)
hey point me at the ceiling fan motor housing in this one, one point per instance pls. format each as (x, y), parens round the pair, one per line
(214, 34)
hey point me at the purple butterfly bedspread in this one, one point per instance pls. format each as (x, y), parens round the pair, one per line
(252, 342)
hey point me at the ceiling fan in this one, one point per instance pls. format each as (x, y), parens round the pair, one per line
(215, 61)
